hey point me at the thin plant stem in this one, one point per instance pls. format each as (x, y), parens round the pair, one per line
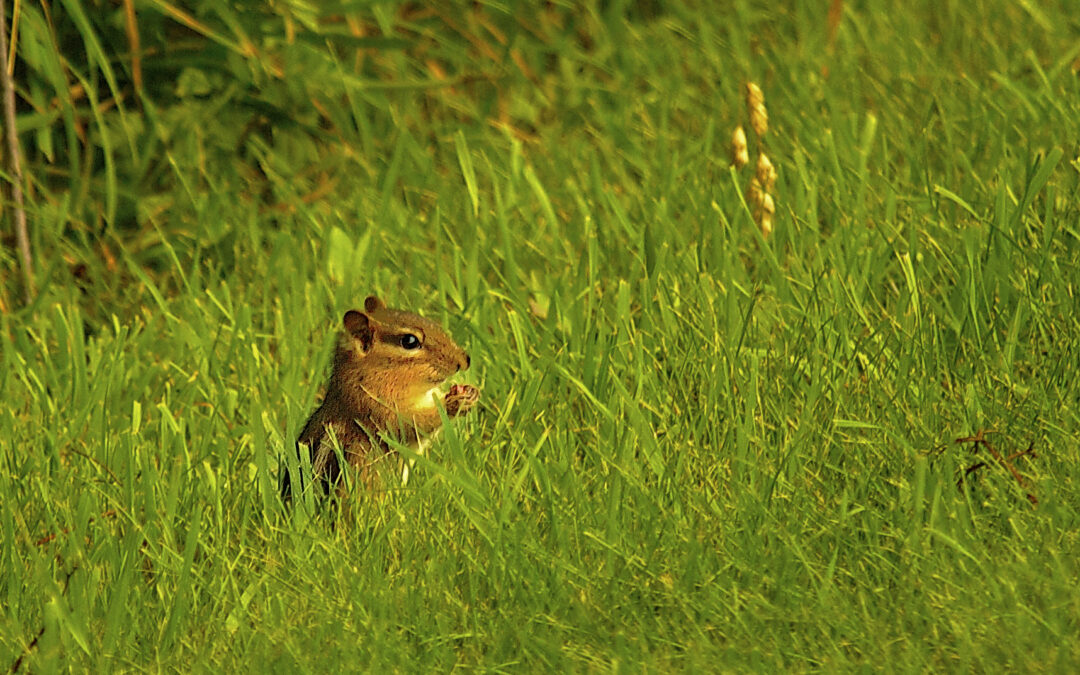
(14, 162)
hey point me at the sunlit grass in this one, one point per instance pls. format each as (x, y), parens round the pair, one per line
(696, 448)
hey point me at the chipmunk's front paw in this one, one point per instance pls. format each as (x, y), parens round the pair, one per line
(460, 399)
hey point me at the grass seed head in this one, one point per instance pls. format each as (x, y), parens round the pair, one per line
(767, 204)
(755, 103)
(766, 225)
(766, 172)
(765, 214)
(740, 155)
(754, 96)
(759, 121)
(754, 194)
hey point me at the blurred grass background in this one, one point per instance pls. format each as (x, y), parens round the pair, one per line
(696, 449)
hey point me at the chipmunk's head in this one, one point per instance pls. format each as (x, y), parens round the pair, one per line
(397, 358)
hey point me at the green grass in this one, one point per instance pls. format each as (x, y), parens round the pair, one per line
(696, 448)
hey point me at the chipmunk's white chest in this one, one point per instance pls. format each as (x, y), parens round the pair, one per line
(428, 399)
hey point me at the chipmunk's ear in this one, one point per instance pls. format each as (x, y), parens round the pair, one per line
(359, 327)
(373, 303)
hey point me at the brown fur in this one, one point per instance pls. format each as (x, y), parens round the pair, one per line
(379, 389)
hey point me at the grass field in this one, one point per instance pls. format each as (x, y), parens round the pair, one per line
(697, 448)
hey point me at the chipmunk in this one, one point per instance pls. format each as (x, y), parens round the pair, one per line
(388, 367)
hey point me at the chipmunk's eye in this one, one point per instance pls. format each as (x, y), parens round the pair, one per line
(410, 341)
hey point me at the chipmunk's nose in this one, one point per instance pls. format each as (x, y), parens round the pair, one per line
(464, 364)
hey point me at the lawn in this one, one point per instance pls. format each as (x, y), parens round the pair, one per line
(848, 445)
